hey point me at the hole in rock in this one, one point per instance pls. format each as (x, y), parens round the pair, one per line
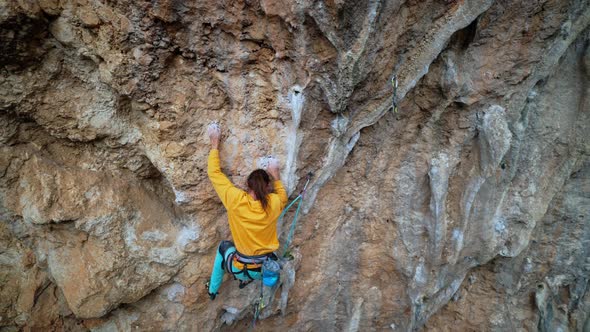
(464, 37)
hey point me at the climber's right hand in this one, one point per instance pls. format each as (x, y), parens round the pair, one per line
(273, 169)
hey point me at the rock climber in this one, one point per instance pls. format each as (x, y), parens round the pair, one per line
(252, 216)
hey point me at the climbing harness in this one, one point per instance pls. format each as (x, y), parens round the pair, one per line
(249, 263)
(394, 86)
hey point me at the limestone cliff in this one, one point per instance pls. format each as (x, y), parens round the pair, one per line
(467, 209)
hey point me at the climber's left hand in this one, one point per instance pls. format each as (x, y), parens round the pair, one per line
(214, 133)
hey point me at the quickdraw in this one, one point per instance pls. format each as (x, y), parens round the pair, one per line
(394, 86)
(258, 305)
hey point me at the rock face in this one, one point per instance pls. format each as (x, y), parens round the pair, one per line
(467, 209)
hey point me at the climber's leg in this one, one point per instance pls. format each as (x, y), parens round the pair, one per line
(225, 248)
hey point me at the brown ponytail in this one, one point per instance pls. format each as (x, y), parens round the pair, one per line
(259, 183)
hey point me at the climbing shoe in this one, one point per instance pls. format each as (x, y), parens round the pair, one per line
(244, 283)
(212, 296)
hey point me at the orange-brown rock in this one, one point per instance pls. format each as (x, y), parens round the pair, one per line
(465, 209)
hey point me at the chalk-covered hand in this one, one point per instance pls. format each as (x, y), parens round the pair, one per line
(273, 168)
(214, 133)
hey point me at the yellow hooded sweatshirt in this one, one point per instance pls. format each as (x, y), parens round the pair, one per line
(254, 230)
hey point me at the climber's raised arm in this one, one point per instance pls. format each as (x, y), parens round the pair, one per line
(226, 191)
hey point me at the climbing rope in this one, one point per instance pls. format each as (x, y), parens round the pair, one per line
(394, 86)
(299, 200)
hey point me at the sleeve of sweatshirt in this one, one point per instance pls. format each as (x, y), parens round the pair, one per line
(280, 190)
(226, 191)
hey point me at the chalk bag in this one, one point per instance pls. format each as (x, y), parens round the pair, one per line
(270, 272)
